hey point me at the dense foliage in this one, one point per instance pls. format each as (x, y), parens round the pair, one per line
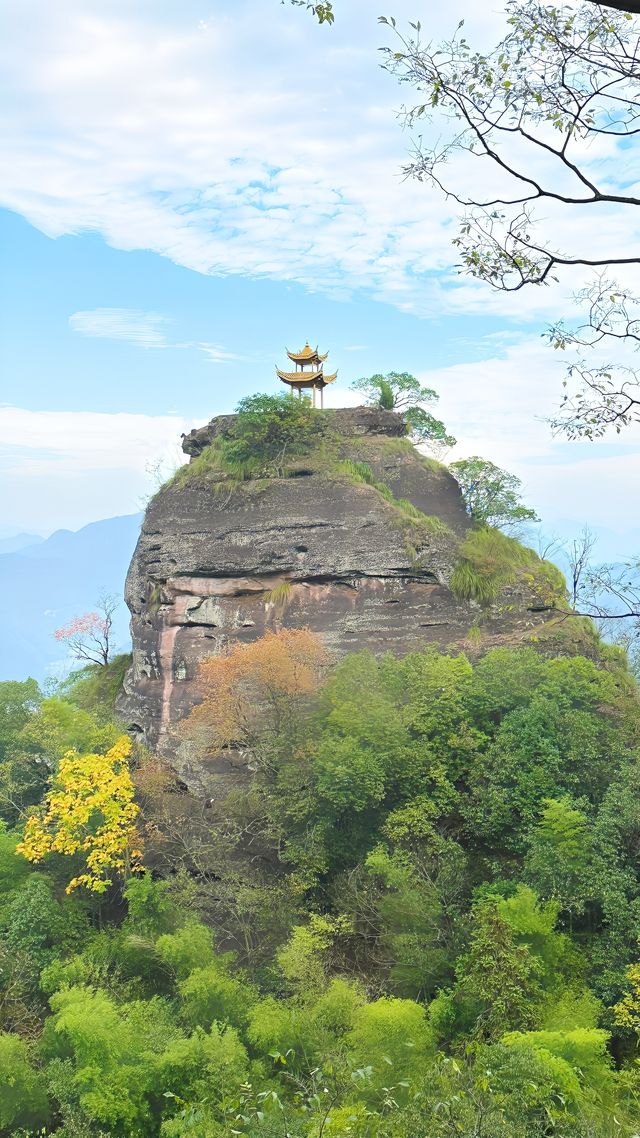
(416, 916)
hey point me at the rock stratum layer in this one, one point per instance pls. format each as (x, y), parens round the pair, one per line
(219, 563)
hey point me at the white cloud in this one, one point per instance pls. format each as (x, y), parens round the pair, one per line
(146, 329)
(497, 408)
(246, 143)
(67, 468)
(143, 328)
(215, 354)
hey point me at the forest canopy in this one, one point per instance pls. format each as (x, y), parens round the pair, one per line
(417, 917)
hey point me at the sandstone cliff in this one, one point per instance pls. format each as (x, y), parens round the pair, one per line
(360, 553)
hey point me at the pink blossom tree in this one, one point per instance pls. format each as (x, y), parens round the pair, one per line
(89, 636)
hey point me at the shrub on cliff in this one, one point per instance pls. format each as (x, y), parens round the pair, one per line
(491, 495)
(271, 429)
(399, 391)
(489, 561)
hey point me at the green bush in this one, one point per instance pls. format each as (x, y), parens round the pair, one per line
(23, 1101)
(211, 993)
(270, 430)
(488, 561)
(96, 687)
(394, 1037)
(188, 948)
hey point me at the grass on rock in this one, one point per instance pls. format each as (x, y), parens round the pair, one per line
(489, 561)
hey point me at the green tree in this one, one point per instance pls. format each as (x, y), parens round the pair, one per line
(114, 1050)
(211, 993)
(491, 495)
(96, 687)
(414, 911)
(23, 1099)
(36, 931)
(151, 911)
(613, 884)
(37, 926)
(13, 869)
(399, 391)
(499, 977)
(22, 778)
(546, 749)
(583, 1056)
(186, 948)
(19, 700)
(393, 1036)
(561, 965)
(518, 1089)
(396, 391)
(59, 726)
(558, 859)
(206, 1069)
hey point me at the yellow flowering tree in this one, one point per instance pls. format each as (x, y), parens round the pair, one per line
(626, 1013)
(89, 810)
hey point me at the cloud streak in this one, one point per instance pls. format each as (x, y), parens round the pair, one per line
(135, 327)
(204, 142)
(145, 329)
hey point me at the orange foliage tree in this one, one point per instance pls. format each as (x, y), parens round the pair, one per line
(256, 690)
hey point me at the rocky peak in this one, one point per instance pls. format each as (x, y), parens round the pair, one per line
(349, 422)
(357, 542)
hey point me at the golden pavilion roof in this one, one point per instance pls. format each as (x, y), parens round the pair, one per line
(307, 355)
(305, 378)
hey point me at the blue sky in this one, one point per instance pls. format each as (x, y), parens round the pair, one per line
(186, 189)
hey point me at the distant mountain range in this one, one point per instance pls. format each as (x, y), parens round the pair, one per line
(44, 583)
(19, 541)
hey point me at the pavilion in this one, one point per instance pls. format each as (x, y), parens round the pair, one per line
(309, 372)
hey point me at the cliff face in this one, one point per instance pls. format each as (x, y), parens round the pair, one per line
(219, 562)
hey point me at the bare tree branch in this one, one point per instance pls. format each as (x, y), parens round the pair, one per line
(561, 78)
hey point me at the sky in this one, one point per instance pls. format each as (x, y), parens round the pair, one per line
(187, 189)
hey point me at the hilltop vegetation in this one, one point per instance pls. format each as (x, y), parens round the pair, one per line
(416, 916)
